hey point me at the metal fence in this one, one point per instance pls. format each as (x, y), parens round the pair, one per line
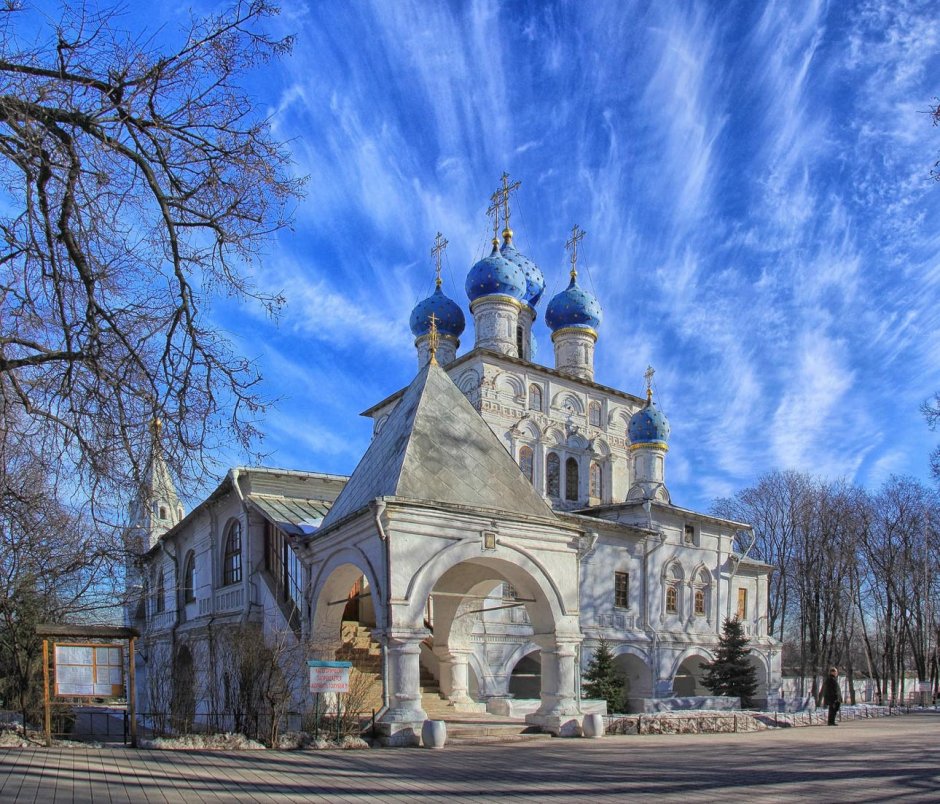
(261, 726)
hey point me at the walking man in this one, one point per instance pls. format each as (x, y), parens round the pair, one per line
(832, 695)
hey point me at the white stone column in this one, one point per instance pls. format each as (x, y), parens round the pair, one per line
(559, 712)
(401, 722)
(454, 674)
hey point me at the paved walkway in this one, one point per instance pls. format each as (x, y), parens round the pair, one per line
(885, 759)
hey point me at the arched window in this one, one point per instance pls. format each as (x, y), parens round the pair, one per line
(232, 558)
(525, 461)
(597, 489)
(673, 580)
(571, 479)
(553, 475)
(159, 594)
(535, 397)
(179, 513)
(594, 414)
(700, 597)
(189, 578)
(672, 599)
(162, 512)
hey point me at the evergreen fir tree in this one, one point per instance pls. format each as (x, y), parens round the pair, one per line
(602, 680)
(732, 673)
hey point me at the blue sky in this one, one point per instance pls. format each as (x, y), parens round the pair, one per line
(753, 178)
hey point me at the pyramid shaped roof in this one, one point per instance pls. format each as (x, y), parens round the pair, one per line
(434, 446)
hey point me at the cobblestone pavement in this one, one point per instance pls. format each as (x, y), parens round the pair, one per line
(885, 759)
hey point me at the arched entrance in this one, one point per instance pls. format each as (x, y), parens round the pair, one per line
(687, 682)
(464, 589)
(525, 681)
(637, 679)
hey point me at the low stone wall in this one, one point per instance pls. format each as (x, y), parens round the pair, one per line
(711, 703)
(709, 722)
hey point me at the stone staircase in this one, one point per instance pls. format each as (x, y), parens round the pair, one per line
(472, 724)
(472, 727)
(365, 654)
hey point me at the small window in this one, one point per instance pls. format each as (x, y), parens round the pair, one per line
(509, 591)
(520, 341)
(535, 397)
(689, 534)
(525, 461)
(162, 512)
(232, 558)
(594, 414)
(179, 514)
(700, 602)
(742, 604)
(571, 479)
(672, 599)
(553, 475)
(160, 595)
(597, 489)
(189, 578)
(622, 590)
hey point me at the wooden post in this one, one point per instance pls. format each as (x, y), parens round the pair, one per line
(132, 690)
(47, 713)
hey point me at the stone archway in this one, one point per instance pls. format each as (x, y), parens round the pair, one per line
(687, 679)
(637, 679)
(459, 578)
(330, 597)
(525, 679)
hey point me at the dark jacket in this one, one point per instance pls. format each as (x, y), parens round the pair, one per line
(832, 693)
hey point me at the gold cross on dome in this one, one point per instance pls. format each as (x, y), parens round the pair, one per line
(650, 371)
(439, 245)
(577, 235)
(505, 192)
(433, 340)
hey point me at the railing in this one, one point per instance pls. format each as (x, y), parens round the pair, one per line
(229, 599)
(205, 606)
(288, 729)
(161, 620)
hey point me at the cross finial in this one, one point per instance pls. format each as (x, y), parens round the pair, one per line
(505, 192)
(433, 340)
(439, 245)
(650, 371)
(493, 212)
(577, 235)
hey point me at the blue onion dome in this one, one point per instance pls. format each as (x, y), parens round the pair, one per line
(495, 275)
(573, 307)
(648, 425)
(449, 316)
(534, 279)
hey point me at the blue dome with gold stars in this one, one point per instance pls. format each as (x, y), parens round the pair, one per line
(534, 279)
(448, 315)
(495, 275)
(649, 425)
(573, 307)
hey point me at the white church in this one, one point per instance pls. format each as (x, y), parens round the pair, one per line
(505, 517)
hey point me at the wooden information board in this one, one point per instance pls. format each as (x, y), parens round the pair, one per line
(89, 670)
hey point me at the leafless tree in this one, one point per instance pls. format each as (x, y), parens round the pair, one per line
(50, 569)
(139, 183)
(773, 507)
